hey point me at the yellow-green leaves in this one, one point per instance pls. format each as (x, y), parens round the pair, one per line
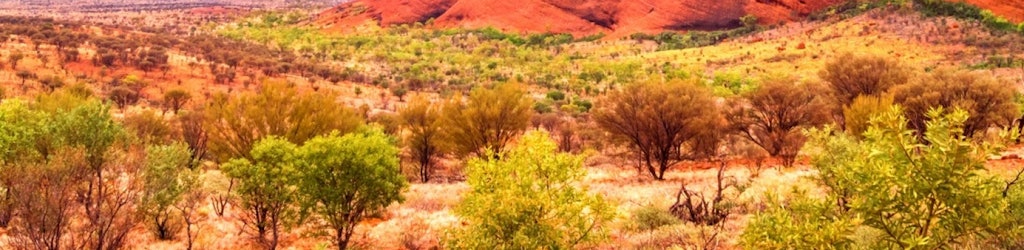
(529, 199)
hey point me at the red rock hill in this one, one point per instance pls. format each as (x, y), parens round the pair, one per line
(583, 17)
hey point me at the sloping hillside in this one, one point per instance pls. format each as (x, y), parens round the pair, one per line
(617, 18)
(571, 16)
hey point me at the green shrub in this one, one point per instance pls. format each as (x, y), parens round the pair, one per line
(527, 198)
(556, 95)
(650, 217)
(798, 222)
(891, 190)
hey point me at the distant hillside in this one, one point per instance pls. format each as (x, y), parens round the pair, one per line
(578, 17)
(582, 17)
(145, 5)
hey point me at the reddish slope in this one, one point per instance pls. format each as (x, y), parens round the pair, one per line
(581, 17)
(384, 12)
(1012, 10)
(520, 15)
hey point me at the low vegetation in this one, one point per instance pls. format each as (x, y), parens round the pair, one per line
(266, 133)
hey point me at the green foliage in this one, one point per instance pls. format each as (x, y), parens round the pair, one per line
(965, 10)
(163, 187)
(529, 200)
(892, 188)
(265, 189)
(555, 95)
(90, 127)
(797, 223)
(671, 40)
(731, 83)
(487, 120)
(649, 217)
(343, 179)
(20, 126)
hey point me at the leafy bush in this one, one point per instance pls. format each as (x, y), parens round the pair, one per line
(265, 189)
(859, 113)
(798, 222)
(850, 76)
(652, 217)
(487, 120)
(343, 179)
(657, 120)
(237, 121)
(988, 101)
(163, 189)
(773, 115)
(891, 191)
(529, 200)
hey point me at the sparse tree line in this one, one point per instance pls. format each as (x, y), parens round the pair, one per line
(286, 159)
(225, 57)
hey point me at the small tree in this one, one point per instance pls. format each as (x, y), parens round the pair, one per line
(175, 99)
(234, 123)
(123, 96)
(193, 195)
(422, 120)
(24, 75)
(345, 178)
(487, 119)
(988, 101)
(193, 133)
(850, 76)
(45, 197)
(149, 127)
(162, 188)
(656, 120)
(774, 114)
(266, 189)
(529, 200)
(903, 193)
(14, 58)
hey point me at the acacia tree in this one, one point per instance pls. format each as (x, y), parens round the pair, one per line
(345, 178)
(422, 120)
(850, 76)
(657, 119)
(773, 115)
(194, 134)
(175, 99)
(234, 123)
(988, 101)
(110, 189)
(264, 189)
(162, 188)
(45, 198)
(487, 119)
